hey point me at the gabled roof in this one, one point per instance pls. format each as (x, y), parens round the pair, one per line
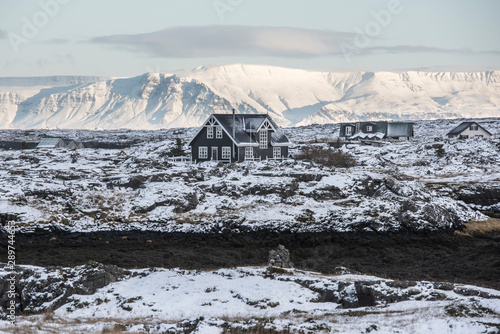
(245, 126)
(49, 142)
(462, 126)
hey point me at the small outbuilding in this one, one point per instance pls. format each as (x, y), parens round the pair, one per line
(52, 143)
(59, 143)
(73, 145)
(469, 130)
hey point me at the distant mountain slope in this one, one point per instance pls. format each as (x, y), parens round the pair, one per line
(52, 81)
(293, 97)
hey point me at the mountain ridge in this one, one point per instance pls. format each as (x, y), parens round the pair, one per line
(294, 97)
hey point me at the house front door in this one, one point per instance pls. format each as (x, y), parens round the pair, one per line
(215, 152)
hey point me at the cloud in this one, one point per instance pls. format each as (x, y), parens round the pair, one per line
(215, 41)
(57, 59)
(231, 40)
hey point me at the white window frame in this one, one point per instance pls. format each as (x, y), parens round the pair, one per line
(202, 152)
(277, 152)
(348, 130)
(474, 127)
(248, 152)
(218, 132)
(369, 128)
(226, 152)
(263, 139)
(210, 132)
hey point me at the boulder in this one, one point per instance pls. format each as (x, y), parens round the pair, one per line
(280, 257)
(40, 291)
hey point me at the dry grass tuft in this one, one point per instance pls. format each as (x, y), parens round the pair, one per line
(489, 227)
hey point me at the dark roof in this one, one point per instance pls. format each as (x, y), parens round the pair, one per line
(245, 125)
(462, 126)
(49, 142)
(458, 130)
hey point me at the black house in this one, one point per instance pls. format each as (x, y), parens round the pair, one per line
(239, 137)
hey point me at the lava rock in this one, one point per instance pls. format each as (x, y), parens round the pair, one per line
(280, 257)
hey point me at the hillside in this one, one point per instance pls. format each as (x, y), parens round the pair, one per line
(293, 97)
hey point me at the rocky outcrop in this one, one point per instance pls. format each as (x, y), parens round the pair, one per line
(184, 203)
(282, 189)
(375, 293)
(39, 291)
(481, 196)
(280, 257)
(420, 209)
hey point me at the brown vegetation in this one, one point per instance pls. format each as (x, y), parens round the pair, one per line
(327, 157)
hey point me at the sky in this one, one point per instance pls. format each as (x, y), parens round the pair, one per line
(126, 38)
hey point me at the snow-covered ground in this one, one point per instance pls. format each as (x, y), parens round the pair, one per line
(406, 185)
(283, 300)
(137, 188)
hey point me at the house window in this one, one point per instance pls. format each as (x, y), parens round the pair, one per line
(203, 152)
(248, 153)
(369, 128)
(276, 152)
(210, 132)
(348, 130)
(226, 153)
(263, 139)
(474, 127)
(218, 132)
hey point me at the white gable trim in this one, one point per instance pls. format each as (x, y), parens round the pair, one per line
(212, 121)
(267, 125)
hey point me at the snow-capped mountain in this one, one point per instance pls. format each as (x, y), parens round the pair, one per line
(292, 96)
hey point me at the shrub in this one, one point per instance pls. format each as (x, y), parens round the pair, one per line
(327, 157)
(440, 152)
(177, 150)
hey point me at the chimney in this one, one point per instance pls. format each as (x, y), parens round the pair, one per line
(234, 132)
(234, 122)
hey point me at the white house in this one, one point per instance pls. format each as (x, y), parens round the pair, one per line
(469, 130)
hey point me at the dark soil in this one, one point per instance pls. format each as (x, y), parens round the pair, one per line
(440, 257)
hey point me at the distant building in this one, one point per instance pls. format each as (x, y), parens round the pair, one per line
(73, 145)
(59, 143)
(468, 130)
(52, 143)
(239, 137)
(376, 130)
